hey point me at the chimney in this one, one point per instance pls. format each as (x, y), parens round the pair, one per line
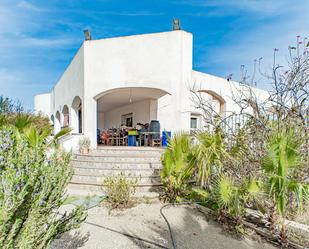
(176, 24)
(87, 35)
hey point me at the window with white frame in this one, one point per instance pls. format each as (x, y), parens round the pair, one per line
(195, 122)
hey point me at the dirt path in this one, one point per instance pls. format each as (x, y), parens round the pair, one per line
(191, 228)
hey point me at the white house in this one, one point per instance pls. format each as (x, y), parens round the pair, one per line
(138, 78)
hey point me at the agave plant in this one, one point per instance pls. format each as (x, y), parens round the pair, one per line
(178, 166)
(209, 155)
(282, 159)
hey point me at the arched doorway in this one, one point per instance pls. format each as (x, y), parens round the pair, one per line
(127, 108)
(76, 115)
(208, 108)
(218, 102)
(57, 123)
(66, 119)
(52, 119)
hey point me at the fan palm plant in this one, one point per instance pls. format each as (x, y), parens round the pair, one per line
(34, 137)
(232, 197)
(178, 166)
(282, 159)
(22, 122)
(209, 155)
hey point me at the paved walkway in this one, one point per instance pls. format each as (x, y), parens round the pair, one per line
(117, 230)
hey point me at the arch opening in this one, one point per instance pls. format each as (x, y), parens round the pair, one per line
(66, 118)
(57, 122)
(126, 108)
(218, 102)
(76, 115)
(52, 119)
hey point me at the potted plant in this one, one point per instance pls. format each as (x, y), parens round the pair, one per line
(84, 145)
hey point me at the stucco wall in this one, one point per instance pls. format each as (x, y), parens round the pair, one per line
(42, 104)
(70, 84)
(160, 60)
(226, 89)
(140, 110)
(151, 60)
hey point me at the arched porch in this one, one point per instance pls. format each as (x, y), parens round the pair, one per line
(123, 109)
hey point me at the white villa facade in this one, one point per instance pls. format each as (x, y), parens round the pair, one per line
(147, 77)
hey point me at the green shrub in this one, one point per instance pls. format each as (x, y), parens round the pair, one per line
(232, 197)
(209, 155)
(120, 190)
(33, 178)
(197, 194)
(178, 166)
(280, 164)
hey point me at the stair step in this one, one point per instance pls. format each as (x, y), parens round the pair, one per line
(113, 172)
(83, 192)
(129, 148)
(124, 153)
(96, 189)
(117, 166)
(98, 180)
(143, 163)
(112, 159)
(117, 155)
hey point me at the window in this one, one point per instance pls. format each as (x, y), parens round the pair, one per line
(193, 124)
(127, 119)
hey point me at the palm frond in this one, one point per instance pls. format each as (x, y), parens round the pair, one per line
(223, 190)
(210, 153)
(32, 136)
(62, 132)
(22, 122)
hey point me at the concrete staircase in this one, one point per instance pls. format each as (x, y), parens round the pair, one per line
(90, 170)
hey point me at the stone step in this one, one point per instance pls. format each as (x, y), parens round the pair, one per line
(113, 152)
(117, 154)
(98, 180)
(125, 151)
(138, 194)
(116, 165)
(113, 172)
(98, 189)
(143, 163)
(113, 159)
(130, 148)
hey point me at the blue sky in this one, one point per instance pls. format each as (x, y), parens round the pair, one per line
(39, 38)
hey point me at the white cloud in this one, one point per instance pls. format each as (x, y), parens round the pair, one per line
(28, 6)
(27, 40)
(256, 6)
(242, 47)
(48, 42)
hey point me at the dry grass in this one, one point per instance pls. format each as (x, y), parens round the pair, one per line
(303, 217)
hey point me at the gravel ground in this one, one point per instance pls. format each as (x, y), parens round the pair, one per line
(191, 228)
